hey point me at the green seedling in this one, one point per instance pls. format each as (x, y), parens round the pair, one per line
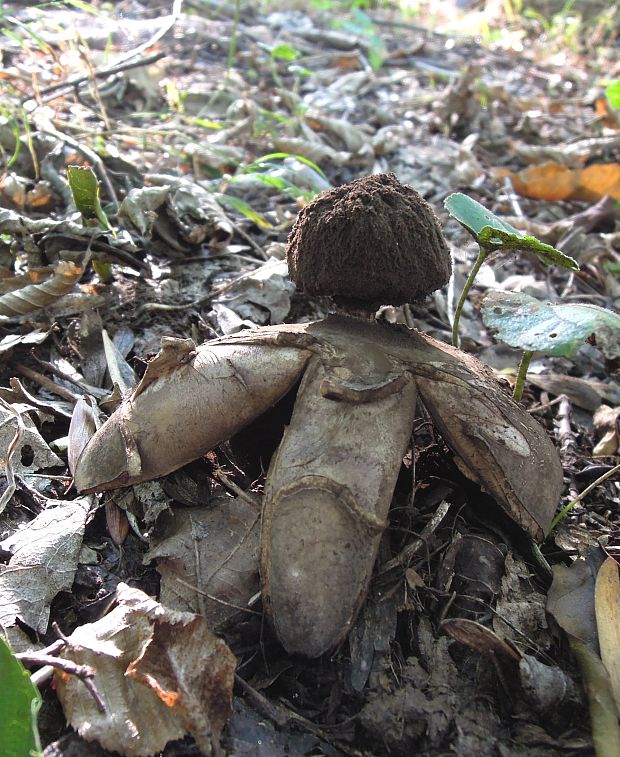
(361, 25)
(560, 330)
(19, 706)
(270, 171)
(85, 190)
(492, 233)
(612, 93)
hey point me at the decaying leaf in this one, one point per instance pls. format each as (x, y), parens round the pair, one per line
(44, 560)
(22, 448)
(84, 423)
(607, 426)
(139, 206)
(160, 674)
(572, 603)
(607, 609)
(208, 558)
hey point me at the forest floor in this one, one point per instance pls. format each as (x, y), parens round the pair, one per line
(209, 125)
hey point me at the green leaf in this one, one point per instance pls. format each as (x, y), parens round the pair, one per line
(612, 92)
(19, 705)
(259, 162)
(495, 234)
(284, 52)
(85, 190)
(244, 209)
(524, 322)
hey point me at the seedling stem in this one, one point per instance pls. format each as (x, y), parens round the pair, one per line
(563, 512)
(517, 392)
(482, 256)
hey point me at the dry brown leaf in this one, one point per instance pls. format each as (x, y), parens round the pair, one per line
(192, 672)
(551, 181)
(160, 674)
(208, 558)
(36, 296)
(610, 118)
(606, 424)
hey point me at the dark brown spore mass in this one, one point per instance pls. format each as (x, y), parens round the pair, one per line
(372, 242)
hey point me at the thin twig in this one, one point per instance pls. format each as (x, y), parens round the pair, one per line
(102, 73)
(569, 450)
(255, 246)
(47, 383)
(216, 599)
(8, 468)
(84, 672)
(406, 555)
(85, 388)
(220, 476)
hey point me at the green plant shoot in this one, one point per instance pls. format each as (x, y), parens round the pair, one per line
(533, 326)
(492, 233)
(85, 190)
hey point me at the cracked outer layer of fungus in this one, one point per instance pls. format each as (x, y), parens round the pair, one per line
(359, 383)
(372, 242)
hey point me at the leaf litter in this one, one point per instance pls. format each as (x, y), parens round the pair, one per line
(206, 141)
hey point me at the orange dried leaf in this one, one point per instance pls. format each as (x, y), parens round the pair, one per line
(552, 181)
(598, 180)
(609, 118)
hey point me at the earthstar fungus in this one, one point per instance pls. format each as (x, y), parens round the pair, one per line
(330, 483)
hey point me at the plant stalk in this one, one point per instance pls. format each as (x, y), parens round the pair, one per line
(232, 47)
(563, 512)
(482, 256)
(517, 392)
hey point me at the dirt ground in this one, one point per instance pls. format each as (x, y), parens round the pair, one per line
(209, 126)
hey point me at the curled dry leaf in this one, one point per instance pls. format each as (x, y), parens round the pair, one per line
(36, 296)
(160, 674)
(607, 426)
(84, 423)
